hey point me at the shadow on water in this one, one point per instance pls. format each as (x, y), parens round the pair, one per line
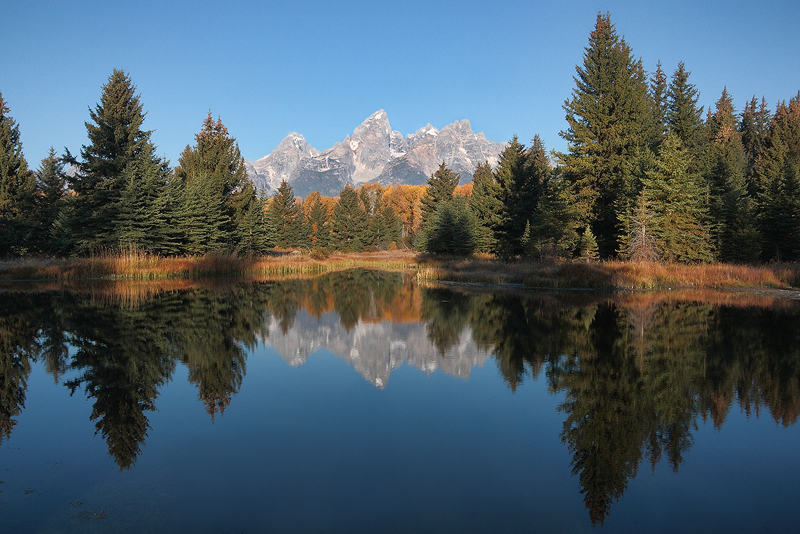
(637, 371)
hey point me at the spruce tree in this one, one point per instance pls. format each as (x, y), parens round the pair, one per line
(450, 230)
(383, 224)
(349, 224)
(214, 168)
(50, 183)
(670, 210)
(754, 128)
(202, 218)
(778, 201)
(658, 107)
(147, 212)
(17, 189)
(731, 210)
(317, 221)
(513, 178)
(587, 248)
(252, 228)
(683, 117)
(285, 219)
(787, 118)
(486, 205)
(441, 185)
(551, 228)
(609, 121)
(116, 140)
(391, 227)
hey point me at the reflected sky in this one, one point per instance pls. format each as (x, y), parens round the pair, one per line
(362, 402)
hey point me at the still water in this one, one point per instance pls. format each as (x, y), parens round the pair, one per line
(362, 402)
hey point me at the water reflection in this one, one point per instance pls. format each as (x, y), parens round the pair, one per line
(636, 371)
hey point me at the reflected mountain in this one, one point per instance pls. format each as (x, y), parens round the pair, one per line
(374, 349)
(637, 372)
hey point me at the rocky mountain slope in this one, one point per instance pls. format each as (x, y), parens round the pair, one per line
(373, 153)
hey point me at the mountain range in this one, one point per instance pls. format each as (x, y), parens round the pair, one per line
(373, 153)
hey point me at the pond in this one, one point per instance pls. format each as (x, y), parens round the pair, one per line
(363, 402)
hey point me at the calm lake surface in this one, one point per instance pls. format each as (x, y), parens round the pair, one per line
(362, 402)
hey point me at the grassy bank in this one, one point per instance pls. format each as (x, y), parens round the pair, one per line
(136, 266)
(611, 275)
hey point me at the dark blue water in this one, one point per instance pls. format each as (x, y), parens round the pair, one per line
(370, 404)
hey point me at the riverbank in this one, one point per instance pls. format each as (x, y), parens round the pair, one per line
(610, 275)
(137, 266)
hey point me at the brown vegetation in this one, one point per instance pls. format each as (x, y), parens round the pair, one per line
(137, 266)
(612, 275)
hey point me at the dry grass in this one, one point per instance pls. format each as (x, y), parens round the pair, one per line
(138, 266)
(612, 275)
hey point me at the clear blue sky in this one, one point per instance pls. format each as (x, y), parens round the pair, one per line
(320, 68)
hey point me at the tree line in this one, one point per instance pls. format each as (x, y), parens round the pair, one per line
(645, 176)
(118, 194)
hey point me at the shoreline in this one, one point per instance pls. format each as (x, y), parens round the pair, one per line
(478, 271)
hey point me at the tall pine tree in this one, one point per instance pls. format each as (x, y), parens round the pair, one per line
(778, 184)
(609, 121)
(116, 141)
(349, 223)
(441, 185)
(50, 183)
(754, 128)
(17, 189)
(670, 210)
(683, 117)
(731, 209)
(486, 205)
(285, 219)
(216, 182)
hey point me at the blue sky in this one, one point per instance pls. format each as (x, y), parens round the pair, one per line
(320, 68)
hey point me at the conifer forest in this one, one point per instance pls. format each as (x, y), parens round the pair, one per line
(647, 175)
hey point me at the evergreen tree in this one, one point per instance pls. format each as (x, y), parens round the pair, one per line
(147, 212)
(390, 227)
(587, 248)
(202, 218)
(754, 129)
(51, 180)
(733, 229)
(383, 224)
(451, 229)
(658, 107)
(778, 201)
(441, 185)
(670, 210)
(551, 231)
(787, 119)
(116, 141)
(486, 205)
(17, 189)
(349, 223)
(519, 175)
(214, 167)
(285, 219)
(683, 117)
(608, 121)
(252, 233)
(640, 241)
(317, 223)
